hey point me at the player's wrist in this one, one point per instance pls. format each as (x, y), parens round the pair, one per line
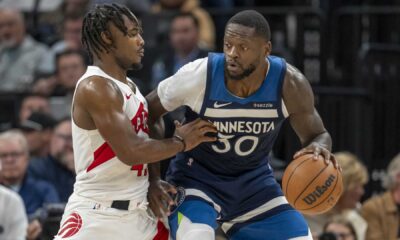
(154, 179)
(180, 139)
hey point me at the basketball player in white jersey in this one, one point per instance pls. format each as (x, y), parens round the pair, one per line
(110, 137)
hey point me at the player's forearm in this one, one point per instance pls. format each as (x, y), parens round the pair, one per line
(157, 130)
(324, 139)
(150, 150)
(154, 171)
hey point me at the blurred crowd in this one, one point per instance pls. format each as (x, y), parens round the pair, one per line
(42, 58)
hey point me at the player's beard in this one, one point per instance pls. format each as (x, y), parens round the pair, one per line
(246, 72)
(136, 66)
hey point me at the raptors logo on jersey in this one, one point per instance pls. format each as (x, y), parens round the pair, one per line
(70, 226)
(139, 121)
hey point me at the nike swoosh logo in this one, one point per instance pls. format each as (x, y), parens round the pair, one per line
(216, 105)
(128, 96)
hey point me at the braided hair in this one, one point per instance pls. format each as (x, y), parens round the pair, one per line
(96, 21)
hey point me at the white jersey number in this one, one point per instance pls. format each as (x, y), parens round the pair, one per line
(227, 145)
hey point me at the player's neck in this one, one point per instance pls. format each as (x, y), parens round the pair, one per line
(111, 68)
(247, 86)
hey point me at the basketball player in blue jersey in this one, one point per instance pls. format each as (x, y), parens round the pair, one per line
(247, 94)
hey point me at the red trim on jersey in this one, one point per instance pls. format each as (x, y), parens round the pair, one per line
(104, 153)
(101, 155)
(162, 232)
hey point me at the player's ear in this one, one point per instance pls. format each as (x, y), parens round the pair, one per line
(106, 37)
(267, 48)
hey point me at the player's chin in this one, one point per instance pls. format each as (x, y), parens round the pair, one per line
(136, 66)
(235, 75)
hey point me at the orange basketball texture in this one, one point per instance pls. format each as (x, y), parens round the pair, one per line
(311, 186)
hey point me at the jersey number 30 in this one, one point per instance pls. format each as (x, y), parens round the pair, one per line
(237, 145)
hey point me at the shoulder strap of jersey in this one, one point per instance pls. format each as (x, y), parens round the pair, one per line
(279, 67)
(215, 61)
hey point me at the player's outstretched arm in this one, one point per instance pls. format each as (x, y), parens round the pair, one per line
(304, 118)
(190, 80)
(103, 104)
(158, 190)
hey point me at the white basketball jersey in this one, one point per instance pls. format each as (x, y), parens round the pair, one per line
(100, 174)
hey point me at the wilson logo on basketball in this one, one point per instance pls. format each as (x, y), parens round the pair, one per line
(319, 190)
(71, 226)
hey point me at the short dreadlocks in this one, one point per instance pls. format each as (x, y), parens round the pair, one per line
(96, 21)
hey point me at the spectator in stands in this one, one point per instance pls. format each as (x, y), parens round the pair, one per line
(44, 83)
(71, 40)
(184, 38)
(355, 176)
(139, 7)
(340, 228)
(71, 32)
(58, 167)
(70, 7)
(20, 55)
(38, 129)
(13, 220)
(206, 24)
(70, 66)
(382, 212)
(14, 155)
(33, 103)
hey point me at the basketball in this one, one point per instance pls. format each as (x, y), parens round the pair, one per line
(311, 186)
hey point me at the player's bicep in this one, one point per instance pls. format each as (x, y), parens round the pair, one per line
(112, 125)
(104, 103)
(299, 101)
(306, 125)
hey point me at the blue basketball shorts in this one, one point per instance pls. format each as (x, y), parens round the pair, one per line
(281, 225)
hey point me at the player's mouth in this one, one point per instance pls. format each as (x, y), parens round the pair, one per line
(141, 53)
(233, 67)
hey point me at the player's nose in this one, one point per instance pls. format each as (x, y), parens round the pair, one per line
(232, 53)
(140, 41)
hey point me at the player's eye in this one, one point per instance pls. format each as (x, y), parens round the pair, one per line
(134, 32)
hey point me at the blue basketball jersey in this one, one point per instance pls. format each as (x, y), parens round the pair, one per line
(247, 127)
(234, 171)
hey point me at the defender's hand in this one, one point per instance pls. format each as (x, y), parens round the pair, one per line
(193, 133)
(34, 230)
(316, 149)
(158, 195)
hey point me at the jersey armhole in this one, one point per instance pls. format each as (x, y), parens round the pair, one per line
(207, 90)
(282, 74)
(284, 109)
